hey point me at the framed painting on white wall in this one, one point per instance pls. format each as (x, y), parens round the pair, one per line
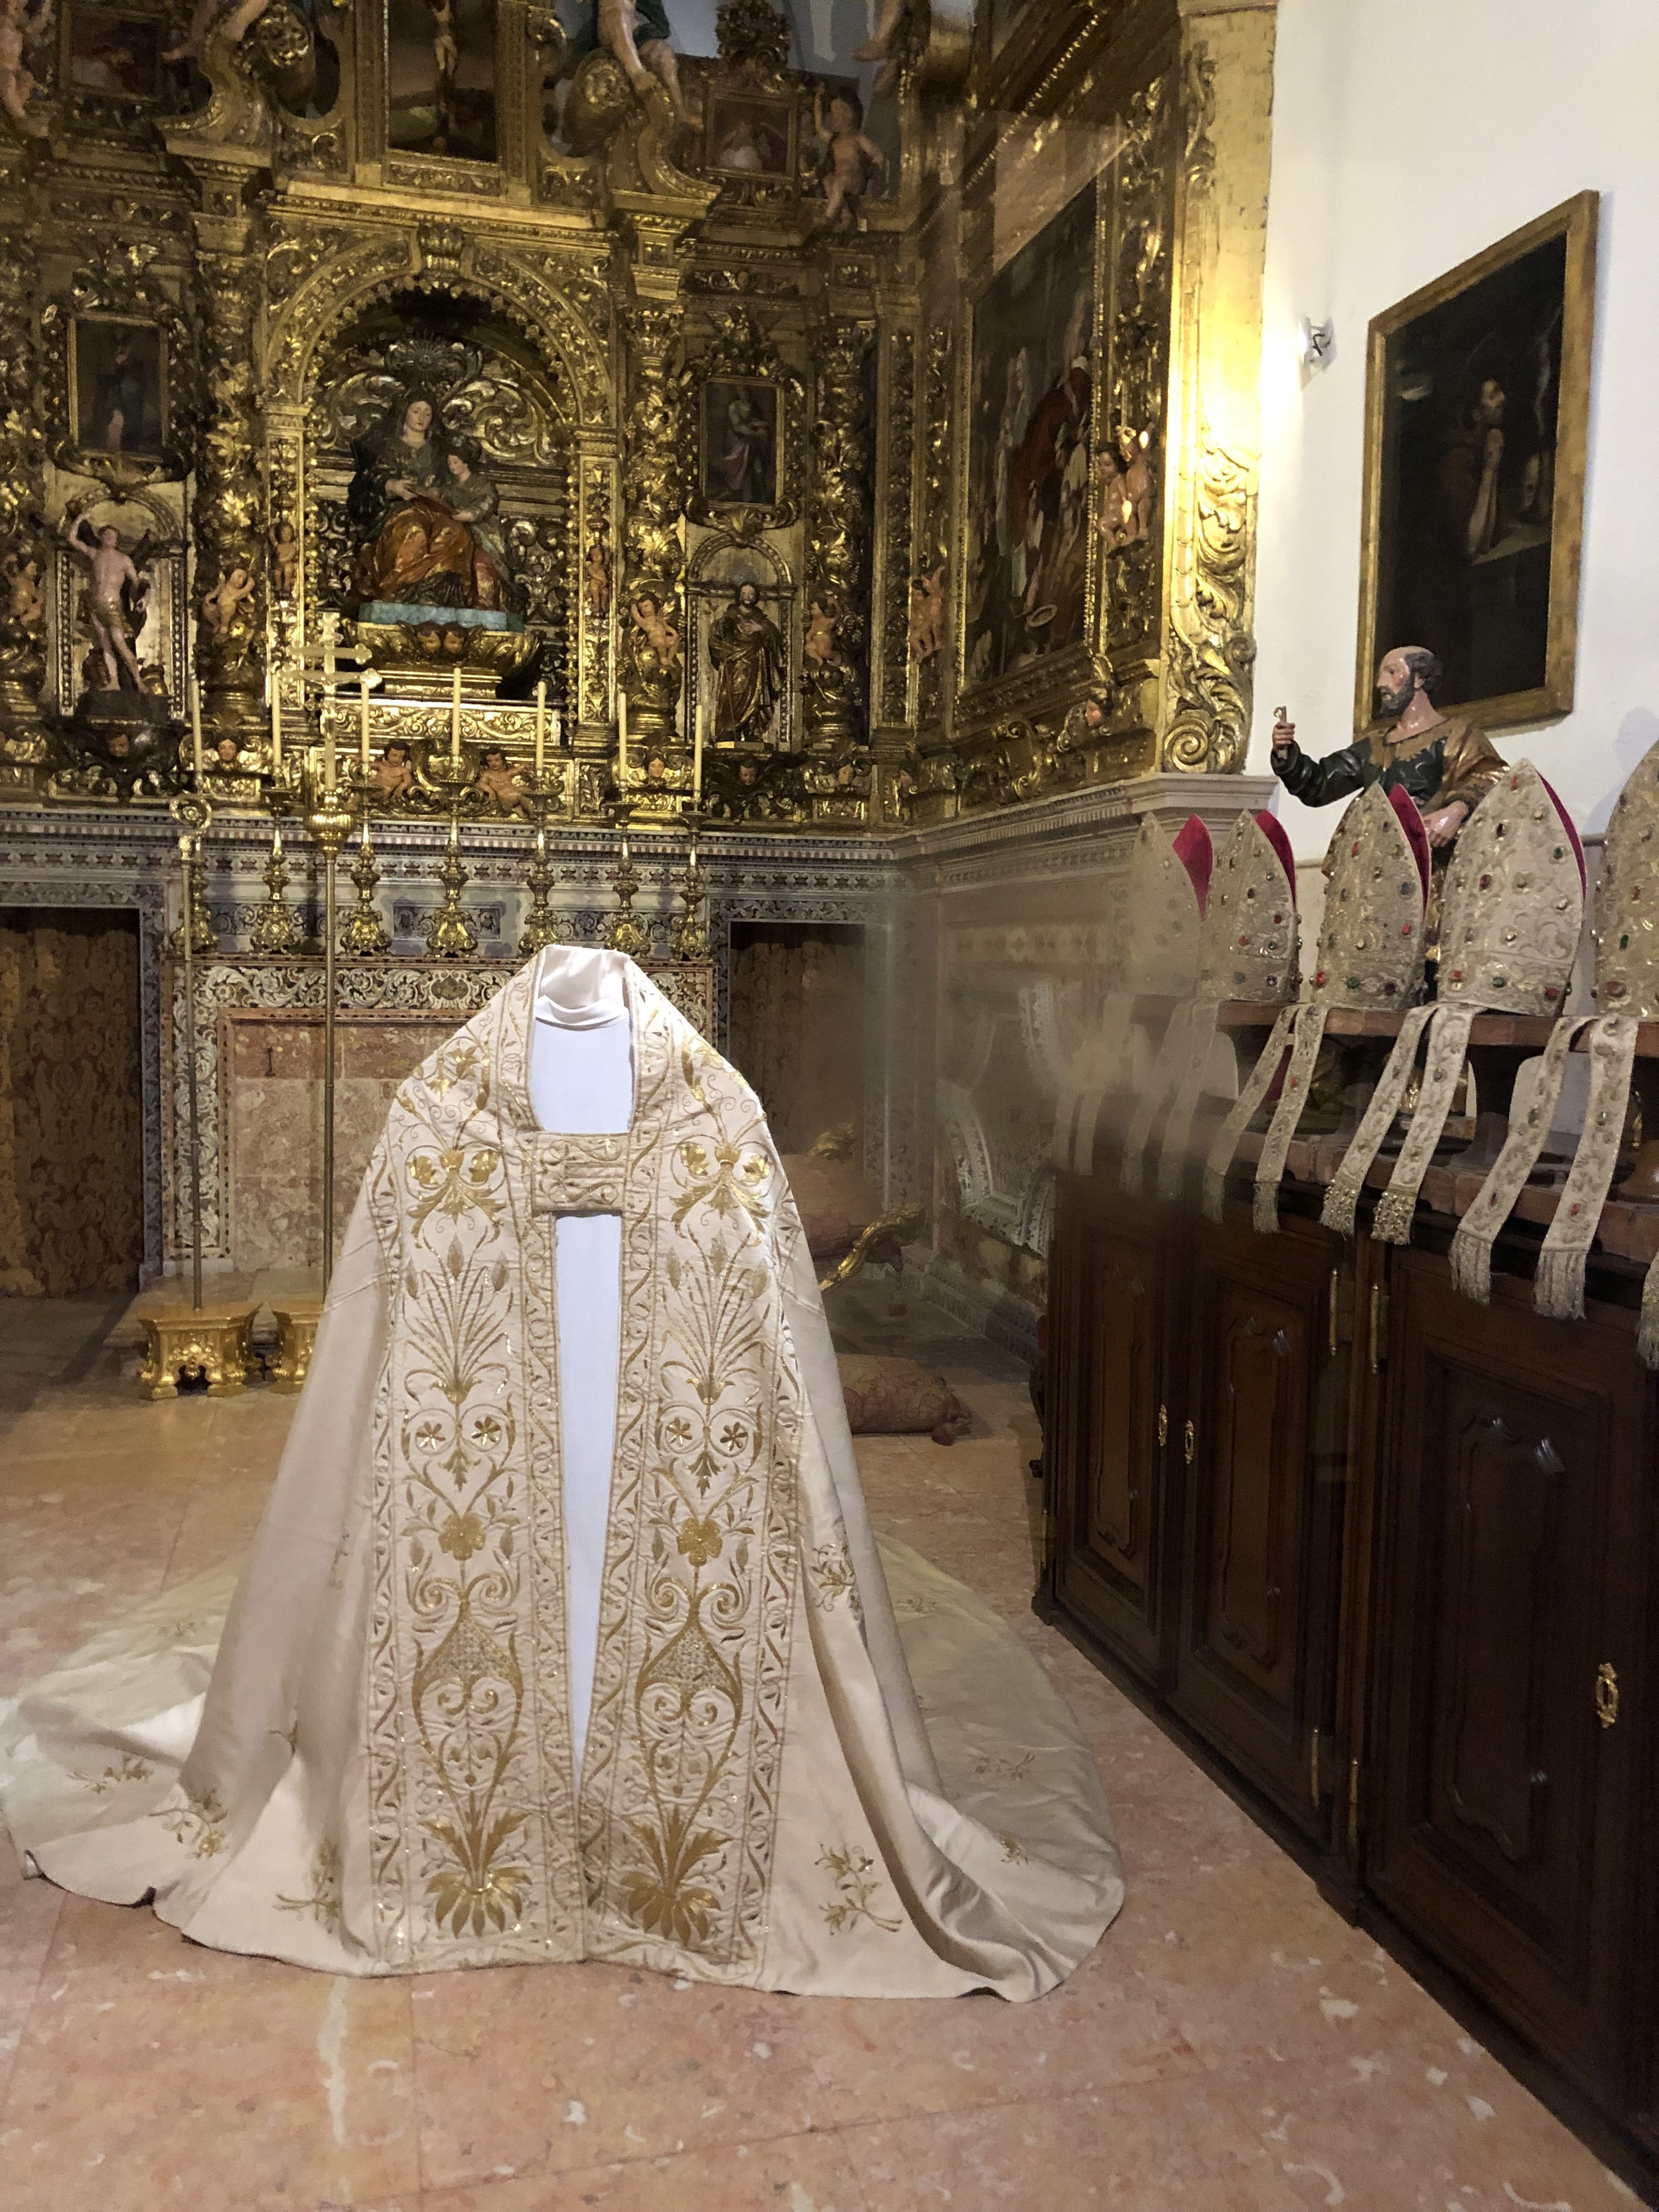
(1477, 414)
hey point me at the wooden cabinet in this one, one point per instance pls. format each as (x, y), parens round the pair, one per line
(1111, 1323)
(1264, 1430)
(1403, 1589)
(1515, 1456)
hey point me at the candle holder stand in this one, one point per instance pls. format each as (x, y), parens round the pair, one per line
(623, 932)
(363, 935)
(193, 921)
(276, 927)
(689, 938)
(450, 935)
(541, 927)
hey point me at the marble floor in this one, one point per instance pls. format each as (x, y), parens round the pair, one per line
(1231, 2046)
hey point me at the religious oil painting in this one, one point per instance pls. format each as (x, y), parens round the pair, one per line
(1027, 541)
(747, 134)
(739, 443)
(114, 53)
(441, 77)
(118, 378)
(1478, 400)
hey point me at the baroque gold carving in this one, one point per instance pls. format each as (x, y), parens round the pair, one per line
(838, 536)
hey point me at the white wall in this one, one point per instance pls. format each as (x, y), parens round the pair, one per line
(1408, 135)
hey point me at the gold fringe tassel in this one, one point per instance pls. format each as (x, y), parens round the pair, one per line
(1220, 1155)
(1342, 1199)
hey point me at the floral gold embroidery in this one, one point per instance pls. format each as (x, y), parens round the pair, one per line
(198, 1823)
(1013, 1851)
(452, 1181)
(833, 1578)
(322, 1900)
(127, 1770)
(853, 1873)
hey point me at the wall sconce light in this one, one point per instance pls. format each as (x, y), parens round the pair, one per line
(1316, 344)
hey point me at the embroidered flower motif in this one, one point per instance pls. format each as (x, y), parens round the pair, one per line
(853, 1873)
(462, 1535)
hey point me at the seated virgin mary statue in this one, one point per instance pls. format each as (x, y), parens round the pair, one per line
(565, 1635)
(425, 518)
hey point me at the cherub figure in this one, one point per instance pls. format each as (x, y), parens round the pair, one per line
(819, 643)
(596, 584)
(19, 30)
(25, 607)
(660, 634)
(111, 620)
(284, 560)
(498, 781)
(637, 32)
(225, 601)
(1134, 449)
(394, 772)
(850, 163)
(927, 615)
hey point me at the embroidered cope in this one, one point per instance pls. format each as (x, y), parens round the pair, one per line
(379, 1765)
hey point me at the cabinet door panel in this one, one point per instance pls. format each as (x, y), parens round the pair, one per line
(1256, 1670)
(1511, 1461)
(1111, 1290)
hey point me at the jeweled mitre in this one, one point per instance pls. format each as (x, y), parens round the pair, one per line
(1514, 902)
(1248, 948)
(1371, 941)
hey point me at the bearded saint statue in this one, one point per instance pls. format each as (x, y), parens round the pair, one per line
(746, 647)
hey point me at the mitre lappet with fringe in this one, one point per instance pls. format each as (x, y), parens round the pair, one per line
(1511, 912)
(1370, 955)
(1626, 931)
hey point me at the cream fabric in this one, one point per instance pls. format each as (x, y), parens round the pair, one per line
(795, 1776)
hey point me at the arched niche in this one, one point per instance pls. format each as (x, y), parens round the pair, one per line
(490, 384)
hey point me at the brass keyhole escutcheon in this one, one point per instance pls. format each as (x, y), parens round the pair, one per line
(1162, 1426)
(1189, 1443)
(1607, 1694)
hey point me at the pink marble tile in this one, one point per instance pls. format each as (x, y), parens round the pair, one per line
(1421, 2123)
(152, 2073)
(545, 2070)
(28, 1916)
(1148, 2149)
(792, 2173)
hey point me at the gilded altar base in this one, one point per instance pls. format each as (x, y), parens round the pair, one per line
(215, 1345)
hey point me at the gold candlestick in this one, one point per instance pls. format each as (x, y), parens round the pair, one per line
(541, 925)
(363, 935)
(275, 928)
(689, 938)
(450, 935)
(195, 932)
(622, 932)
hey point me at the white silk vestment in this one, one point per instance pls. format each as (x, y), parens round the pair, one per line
(491, 1693)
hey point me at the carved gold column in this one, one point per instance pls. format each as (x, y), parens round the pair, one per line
(834, 686)
(1224, 100)
(654, 496)
(230, 651)
(24, 567)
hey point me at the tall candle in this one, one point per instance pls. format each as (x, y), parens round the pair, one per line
(275, 724)
(277, 842)
(330, 633)
(328, 747)
(196, 725)
(455, 722)
(696, 754)
(622, 736)
(541, 727)
(362, 721)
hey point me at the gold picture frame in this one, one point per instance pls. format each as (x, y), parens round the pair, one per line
(1477, 418)
(998, 676)
(117, 368)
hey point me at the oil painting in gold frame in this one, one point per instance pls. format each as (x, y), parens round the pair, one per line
(1477, 412)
